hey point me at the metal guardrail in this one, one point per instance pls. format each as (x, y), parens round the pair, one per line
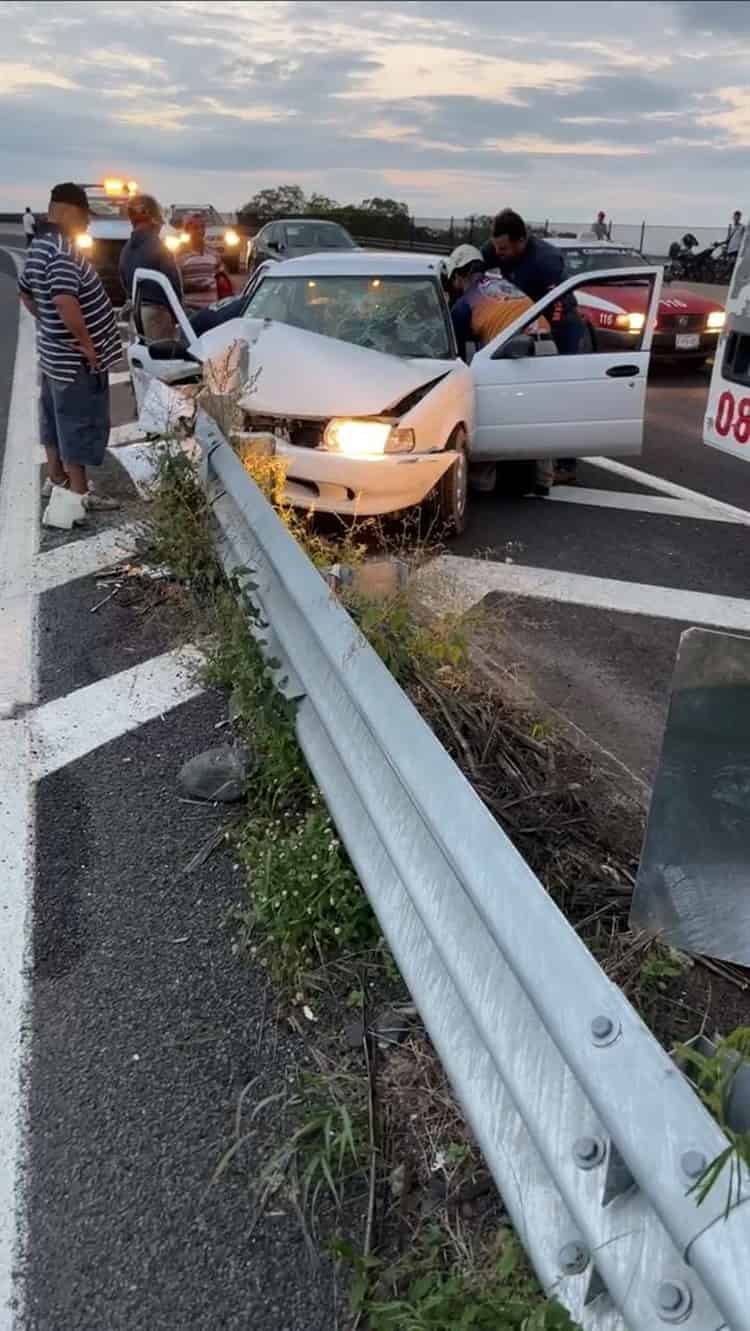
(593, 1135)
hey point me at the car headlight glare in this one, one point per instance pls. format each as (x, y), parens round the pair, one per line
(361, 439)
(84, 241)
(231, 238)
(715, 321)
(173, 243)
(632, 322)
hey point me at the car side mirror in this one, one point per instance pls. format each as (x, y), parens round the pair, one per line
(517, 348)
(273, 245)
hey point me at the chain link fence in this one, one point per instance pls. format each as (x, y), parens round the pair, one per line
(653, 240)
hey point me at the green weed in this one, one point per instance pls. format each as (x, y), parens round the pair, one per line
(178, 524)
(439, 1285)
(326, 1151)
(659, 968)
(304, 892)
(713, 1076)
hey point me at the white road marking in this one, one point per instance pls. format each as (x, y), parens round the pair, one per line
(79, 559)
(669, 488)
(119, 377)
(68, 728)
(638, 503)
(16, 872)
(19, 536)
(19, 529)
(456, 583)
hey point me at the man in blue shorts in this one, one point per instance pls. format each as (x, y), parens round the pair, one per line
(77, 343)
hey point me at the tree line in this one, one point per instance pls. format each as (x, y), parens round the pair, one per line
(379, 218)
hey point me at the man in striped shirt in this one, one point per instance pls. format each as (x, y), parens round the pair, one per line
(77, 343)
(199, 267)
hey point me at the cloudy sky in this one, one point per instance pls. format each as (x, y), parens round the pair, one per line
(642, 109)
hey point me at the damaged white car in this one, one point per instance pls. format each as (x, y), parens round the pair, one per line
(354, 372)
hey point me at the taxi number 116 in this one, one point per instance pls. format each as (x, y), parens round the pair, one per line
(733, 417)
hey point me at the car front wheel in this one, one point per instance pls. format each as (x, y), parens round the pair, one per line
(453, 486)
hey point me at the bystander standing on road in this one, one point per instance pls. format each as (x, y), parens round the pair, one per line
(199, 267)
(600, 228)
(536, 267)
(145, 250)
(735, 234)
(29, 225)
(77, 343)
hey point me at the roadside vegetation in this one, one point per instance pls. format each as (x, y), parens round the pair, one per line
(372, 1151)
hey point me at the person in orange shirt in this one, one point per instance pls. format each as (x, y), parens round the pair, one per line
(482, 305)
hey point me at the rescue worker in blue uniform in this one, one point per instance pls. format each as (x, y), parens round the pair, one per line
(536, 267)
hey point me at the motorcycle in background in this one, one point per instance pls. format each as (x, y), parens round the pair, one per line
(689, 264)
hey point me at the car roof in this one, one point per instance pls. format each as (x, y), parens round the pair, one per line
(298, 221)
(355, 263)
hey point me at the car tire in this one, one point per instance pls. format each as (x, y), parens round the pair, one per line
(453, 487)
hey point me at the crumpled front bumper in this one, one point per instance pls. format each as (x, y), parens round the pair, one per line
(335, 483)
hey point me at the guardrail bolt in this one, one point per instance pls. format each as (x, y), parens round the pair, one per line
(673, 1301)
(588, 1152)
(602, 1028)
(573, 1259)
(693, 1163)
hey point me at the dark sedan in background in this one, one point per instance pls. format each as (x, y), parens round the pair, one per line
(290, 238)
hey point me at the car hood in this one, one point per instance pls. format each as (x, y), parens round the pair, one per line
(304, 374)
(626, 299)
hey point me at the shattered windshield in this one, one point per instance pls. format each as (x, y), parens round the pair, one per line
(401, 316)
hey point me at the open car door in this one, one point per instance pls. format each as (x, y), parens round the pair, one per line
(177, 360)
(592, 402)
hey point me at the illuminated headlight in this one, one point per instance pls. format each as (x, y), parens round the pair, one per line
(84, 241)
(715, 321)
(184, 237)
(173, 242)
(632, 322)
(362, 439)
(231, 238)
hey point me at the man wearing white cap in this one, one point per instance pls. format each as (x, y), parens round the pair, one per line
(482, 305)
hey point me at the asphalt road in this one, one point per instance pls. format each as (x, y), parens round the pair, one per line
(142, 1028)
(608, 671)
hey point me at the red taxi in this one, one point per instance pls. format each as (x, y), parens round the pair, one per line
(687, 325)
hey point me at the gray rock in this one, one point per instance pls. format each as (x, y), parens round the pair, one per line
(218, 774)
